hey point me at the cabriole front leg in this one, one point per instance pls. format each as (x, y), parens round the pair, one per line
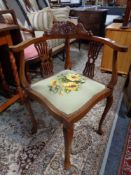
(33, 120)
(68, 136)
(107, 107)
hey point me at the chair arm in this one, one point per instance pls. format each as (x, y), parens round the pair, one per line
(21, 46)
(24, 44)
(113, 44)
(116, 48)
(24, 29)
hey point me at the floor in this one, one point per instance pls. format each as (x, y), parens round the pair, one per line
(117, 144)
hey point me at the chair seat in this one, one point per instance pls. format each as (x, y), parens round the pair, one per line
(30, 53)
(71, 90)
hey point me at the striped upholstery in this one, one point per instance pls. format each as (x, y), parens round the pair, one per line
(61, 14)
(55, 42)
(42, 19)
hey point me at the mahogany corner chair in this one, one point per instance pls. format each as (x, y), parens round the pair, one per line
(56, 90)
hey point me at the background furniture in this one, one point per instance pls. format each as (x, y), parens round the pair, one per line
(29, 15)
(127, 16)
(9, 35)
(68, 86)
(121, 36)
(31, 55)
(93, 20)
(15, 36)
(115, 3)
(114, 10)
(8, 68)
(127, 94)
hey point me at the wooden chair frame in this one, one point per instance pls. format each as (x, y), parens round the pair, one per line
(67, 30)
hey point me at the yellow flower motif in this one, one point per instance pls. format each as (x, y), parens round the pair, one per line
(71, 86)
(66, 83)
(54, 83)
(73, 77)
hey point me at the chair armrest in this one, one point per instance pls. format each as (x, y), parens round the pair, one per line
(116, 48)
(111, 43)
(24, 29)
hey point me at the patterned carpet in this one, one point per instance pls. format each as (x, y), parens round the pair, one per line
(125, 166)
(42, 153)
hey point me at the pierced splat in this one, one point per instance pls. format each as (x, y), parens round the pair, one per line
(67, 28)
(93, 51)
(45, 56)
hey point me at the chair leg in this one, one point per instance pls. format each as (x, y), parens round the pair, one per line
(33, 120)
(107, 107)
(68, 136)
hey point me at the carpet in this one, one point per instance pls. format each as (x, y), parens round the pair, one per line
(42, 153)
(125, 165)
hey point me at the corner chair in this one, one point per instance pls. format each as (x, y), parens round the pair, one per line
(69, 95)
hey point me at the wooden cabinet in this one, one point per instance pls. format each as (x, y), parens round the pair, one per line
(121, 36)
(92, 19)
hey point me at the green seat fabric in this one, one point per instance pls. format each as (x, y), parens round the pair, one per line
(68, 91)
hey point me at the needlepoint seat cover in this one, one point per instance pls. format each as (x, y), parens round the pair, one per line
(68, 91)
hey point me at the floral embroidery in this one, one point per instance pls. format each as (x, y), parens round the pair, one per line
(66, 83)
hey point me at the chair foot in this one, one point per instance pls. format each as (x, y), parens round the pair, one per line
(34, 129)
(67, 165)
(107, 107)
(100, 132)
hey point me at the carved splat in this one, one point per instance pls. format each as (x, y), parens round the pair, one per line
(93, 51)
(67, 28)
(45, 56)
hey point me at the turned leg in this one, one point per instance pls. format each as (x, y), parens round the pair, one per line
(33, 120)
(107, 107)
(68, 136)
